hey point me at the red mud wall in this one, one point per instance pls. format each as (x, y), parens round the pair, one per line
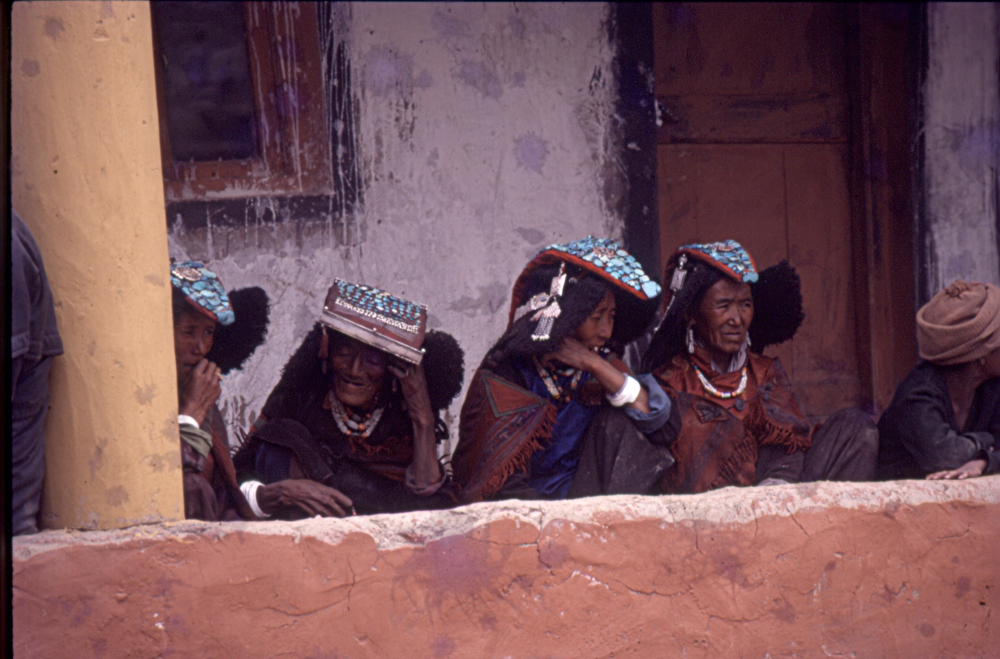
(888, 570)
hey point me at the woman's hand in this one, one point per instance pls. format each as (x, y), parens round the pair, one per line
(425, 467)
(970, 469)
(414, 385)
(312, 497)
(574, 354)
(200, 391)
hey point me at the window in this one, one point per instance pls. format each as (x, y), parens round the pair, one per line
(243, 111)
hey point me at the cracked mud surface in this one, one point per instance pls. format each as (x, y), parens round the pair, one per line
(898, 569)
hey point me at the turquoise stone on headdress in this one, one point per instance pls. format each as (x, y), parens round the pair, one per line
(727, 255)
(386, 308)
(608, 259)
(202, 287)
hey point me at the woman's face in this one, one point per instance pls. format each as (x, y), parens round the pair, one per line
(193, 337)
(358, 371)
(596, 330)
(723, 318)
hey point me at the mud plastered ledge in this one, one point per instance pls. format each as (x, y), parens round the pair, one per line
(898, 569)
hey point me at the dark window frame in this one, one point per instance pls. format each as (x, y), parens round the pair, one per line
(290, 115)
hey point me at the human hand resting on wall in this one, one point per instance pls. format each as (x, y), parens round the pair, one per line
(200, 391)
(970, 469)
(307, 495)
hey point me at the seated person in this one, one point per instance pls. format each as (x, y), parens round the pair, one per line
(552, 413)
(740, 423)
(356, 417)
(214, 333)
(944, 421)
(34, 342)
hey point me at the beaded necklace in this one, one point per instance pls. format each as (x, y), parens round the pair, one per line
(351, 424)
(557, 392)
(724, 395)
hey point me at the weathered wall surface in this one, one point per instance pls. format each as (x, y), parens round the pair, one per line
(962, 149)
(86, 177)
(484, 133)
(907, 569)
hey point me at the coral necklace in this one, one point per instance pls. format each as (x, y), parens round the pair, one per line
(351, 424)
(724, 395)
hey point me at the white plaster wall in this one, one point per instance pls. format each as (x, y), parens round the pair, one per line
(485, 130)
(961, 123)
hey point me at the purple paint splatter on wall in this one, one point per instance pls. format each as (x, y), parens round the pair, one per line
(530, 151)
(385, 69)
(476, 75)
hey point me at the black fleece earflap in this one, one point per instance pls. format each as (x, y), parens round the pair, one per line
(233, 344)
(777, 306)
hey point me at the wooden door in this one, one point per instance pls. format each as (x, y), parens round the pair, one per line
(753, 146)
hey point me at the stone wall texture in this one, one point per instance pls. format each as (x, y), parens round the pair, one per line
(906, 569)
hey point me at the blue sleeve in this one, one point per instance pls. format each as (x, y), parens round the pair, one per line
(659, 406)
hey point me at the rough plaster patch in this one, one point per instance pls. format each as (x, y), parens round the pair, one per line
(449, 26)
(387, 70)
(53, 27)
(479, 77)
(731, 505)
(533, 236)
(30, 68)
(530, 151)
(490, 300)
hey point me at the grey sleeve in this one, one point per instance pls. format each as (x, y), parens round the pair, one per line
(659, 407)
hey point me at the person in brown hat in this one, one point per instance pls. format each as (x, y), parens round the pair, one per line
(944, 420)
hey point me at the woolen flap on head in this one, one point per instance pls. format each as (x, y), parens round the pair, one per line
(960, 323)
(234, 343)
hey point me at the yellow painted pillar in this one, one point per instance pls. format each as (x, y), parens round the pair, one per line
(86, 177)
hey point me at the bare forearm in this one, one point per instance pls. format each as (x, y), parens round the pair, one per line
(426, 469)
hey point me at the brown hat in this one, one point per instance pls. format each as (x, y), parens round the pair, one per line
(960, 324)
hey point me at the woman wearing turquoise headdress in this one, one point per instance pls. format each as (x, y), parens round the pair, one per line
(741, 424)
(214, 333)
(552, 412)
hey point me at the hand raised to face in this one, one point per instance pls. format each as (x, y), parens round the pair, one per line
(200, 390)
(413, 382)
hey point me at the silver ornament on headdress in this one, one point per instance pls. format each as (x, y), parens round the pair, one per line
(676, 284)
(545, 305)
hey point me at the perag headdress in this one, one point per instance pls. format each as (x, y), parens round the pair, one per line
(374, 317)
(552, 287)
(203, 290)
(777, 295)
(242, 314)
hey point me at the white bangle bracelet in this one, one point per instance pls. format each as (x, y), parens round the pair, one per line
(249, 490)
(184, 418)
(629, 392)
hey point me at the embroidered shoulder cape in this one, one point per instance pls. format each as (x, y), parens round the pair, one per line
(720, 439)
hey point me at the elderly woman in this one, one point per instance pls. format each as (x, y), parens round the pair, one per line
(552, 413)
(944, 420)
(354, 422)
(740, 424)
(214, 333)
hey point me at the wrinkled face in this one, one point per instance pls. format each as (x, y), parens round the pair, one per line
(596, 330)
(723, 317)
(193, 337)
(358, 371)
